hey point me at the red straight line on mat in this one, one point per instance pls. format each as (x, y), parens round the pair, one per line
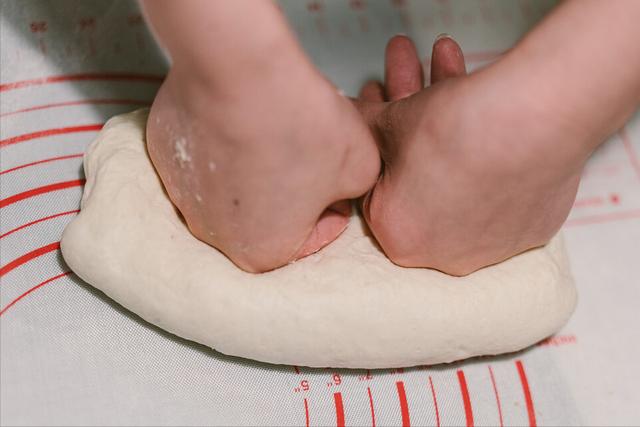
(37, 221)
(404, 406)
(50, 132)
(306, 412)
(337, 398)
(40, 190)
(105, 101)
(527, 393)
(148, 78)
(38, 286)
(52, 159)
(435, 402)
(495, 391)
(28, 257)
(466, 400)
(373, 414)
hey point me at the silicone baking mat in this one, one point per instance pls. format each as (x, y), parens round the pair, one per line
(71, 356)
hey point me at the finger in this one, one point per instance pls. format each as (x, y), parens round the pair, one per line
(372, 91)
(447, 59)
(370, 103)
(402, 69)
(330, 225)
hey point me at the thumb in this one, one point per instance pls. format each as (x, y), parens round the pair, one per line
(446, 59)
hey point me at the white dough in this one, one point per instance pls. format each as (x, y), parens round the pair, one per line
(346, 306)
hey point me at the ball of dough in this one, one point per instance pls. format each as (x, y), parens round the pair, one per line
(345, 306)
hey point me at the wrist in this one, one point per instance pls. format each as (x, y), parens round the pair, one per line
(527, 98)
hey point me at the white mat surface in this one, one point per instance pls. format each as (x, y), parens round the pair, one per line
(70, 356)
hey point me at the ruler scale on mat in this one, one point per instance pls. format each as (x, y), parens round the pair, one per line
(69, 355)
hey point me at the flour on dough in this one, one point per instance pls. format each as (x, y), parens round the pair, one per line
(346, 306)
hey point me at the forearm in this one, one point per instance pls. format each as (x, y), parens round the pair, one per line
(582, 64)
(223, 40)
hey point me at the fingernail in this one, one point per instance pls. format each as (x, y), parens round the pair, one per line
(443, 36)
(400, 34)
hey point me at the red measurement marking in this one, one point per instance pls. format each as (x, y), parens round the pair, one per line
(435, 401)
(633, 156)
(495, 391)
(40, 190)
(306, 412)
(466, 400)
(357, 4)
(53, 159)
(38, 26)
(82, 102)
(591, 201)
(404, 406)
(373, 413)
(614, 198)
(558, 340)
(599, 219)
(50, 132)
(37, 221)
(314, 6)
(28, 257)
(145, 78)
(337, 399)
(38, 286)
(88, 23)
(527, 393)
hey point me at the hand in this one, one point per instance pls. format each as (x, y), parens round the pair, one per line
(471, 174)
(261, 168)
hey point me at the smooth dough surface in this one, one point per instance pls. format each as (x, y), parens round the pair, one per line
(346, 306)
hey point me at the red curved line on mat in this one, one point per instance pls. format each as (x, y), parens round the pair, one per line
(40, 190)
(37, 221)
(106, 101)
(50, 132)
(435, 402)
(306, 412)
(136, 77)
(28, 257)
(52, 159)
(38, 286)
(527, 393)
(373, 413)
(599, 219)
(466, 400)
(495, 391)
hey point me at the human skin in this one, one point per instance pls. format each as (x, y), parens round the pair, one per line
(475, 168)
(480, 167)
(258, 151)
